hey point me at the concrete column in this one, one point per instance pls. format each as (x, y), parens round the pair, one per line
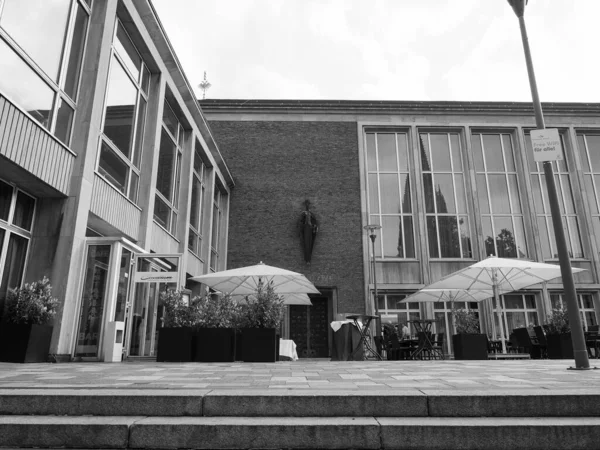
(70, 250)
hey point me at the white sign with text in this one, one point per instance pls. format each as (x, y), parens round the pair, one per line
(156, 277)
(546, 145)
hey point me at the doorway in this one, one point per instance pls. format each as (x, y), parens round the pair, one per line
(309, 327)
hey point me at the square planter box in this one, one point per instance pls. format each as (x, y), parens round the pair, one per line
(259, 345)
(214, 345)
(559, 346)
(470, 346)
(174, 344)
(24, 343)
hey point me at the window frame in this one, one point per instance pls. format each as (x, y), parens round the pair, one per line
(374, 212)
(463, 172)
(57, 87)
(559, 295)
(173, 203)
(135, 146)
(491, 215)
(537, 173)
(199, 178)
(217, 217)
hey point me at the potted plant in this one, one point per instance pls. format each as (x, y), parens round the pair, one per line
(26, 335)
(175, 335)
(214, 331)
(468, 342)
(558, 335)
(259, 321)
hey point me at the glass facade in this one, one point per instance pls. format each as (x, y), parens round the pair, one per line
(124, 117)
(447, 221)
(389, 193)
(217, 224)
(585, 301)
(564, 191)
(166, 202)
(498, 195)
(197, 203)
(588, 144)
(40, 59)
(17, 210)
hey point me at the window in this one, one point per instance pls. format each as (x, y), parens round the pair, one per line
(389, 194)
(16, 221)
(217, 223)
(518, 311)
(586, 307)
(197, 202)
(40, 59)
(392, 310)
(565, 200)
(498, 191)
(169, 168)
(448, 232)
(589, 149)
(124, 117)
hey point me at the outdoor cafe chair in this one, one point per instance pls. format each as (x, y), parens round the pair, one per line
(437, 349)
(525, 341)
(541, 338)
(592, 341)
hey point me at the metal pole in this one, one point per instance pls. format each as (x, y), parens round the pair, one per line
(373, 236)
(498, 309)
(577, 337)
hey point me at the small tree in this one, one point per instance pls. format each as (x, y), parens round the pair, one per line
(217, 311)
(177, 312)
(263, 309)
(557, 322)
(32, 304)
(467, 322)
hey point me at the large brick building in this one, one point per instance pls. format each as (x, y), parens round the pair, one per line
(449, 182)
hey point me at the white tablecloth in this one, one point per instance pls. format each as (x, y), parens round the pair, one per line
(287, 347)
(338, 324)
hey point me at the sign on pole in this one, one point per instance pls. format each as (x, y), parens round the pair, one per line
(546, 145)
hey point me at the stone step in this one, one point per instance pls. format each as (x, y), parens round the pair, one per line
(299, 432)
(277, 403)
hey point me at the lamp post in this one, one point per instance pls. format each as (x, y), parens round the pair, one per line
(373, 235)
(579, 348)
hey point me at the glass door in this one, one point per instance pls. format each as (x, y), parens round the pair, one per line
(93, 301)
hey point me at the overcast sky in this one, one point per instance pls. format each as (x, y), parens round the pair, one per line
(466, 50)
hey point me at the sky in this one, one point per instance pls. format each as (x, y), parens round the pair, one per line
(463, 50)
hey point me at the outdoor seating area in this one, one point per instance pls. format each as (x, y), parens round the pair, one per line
(422, 345)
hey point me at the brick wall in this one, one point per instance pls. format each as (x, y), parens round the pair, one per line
(276, 167)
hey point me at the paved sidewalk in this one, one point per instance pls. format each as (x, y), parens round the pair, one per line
(459, 376)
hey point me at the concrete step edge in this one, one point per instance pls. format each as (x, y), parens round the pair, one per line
(305, 432)
(299, 404)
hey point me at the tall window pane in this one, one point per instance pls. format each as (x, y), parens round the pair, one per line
(24, 86)
(6, 195)
(389, 195)
(39, 28)
(498, 195)
(566, 201)
(76, 53)
(589, 148)
(120, 109)
(166, 164)
(447, 221)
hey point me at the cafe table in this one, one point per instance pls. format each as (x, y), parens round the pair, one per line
(423, 331)
(362, 322)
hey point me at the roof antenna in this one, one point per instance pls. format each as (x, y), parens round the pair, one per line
(205, 85)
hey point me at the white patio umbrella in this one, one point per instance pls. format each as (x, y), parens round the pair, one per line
(245, 280)
(501, 275)
(288, 299)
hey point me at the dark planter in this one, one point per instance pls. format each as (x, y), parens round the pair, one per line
(24, 343)
(259, 345)
(174, 344)
(214, 345)
(470, 346)
(559, 346)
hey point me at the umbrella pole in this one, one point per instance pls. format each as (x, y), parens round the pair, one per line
(498, 310)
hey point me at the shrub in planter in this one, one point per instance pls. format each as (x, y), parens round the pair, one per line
(468, 343)
(25, 336)
(558, 335)
(214, 332)
(259, 320)
(175, 336)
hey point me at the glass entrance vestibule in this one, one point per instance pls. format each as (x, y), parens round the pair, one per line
(120, 310)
